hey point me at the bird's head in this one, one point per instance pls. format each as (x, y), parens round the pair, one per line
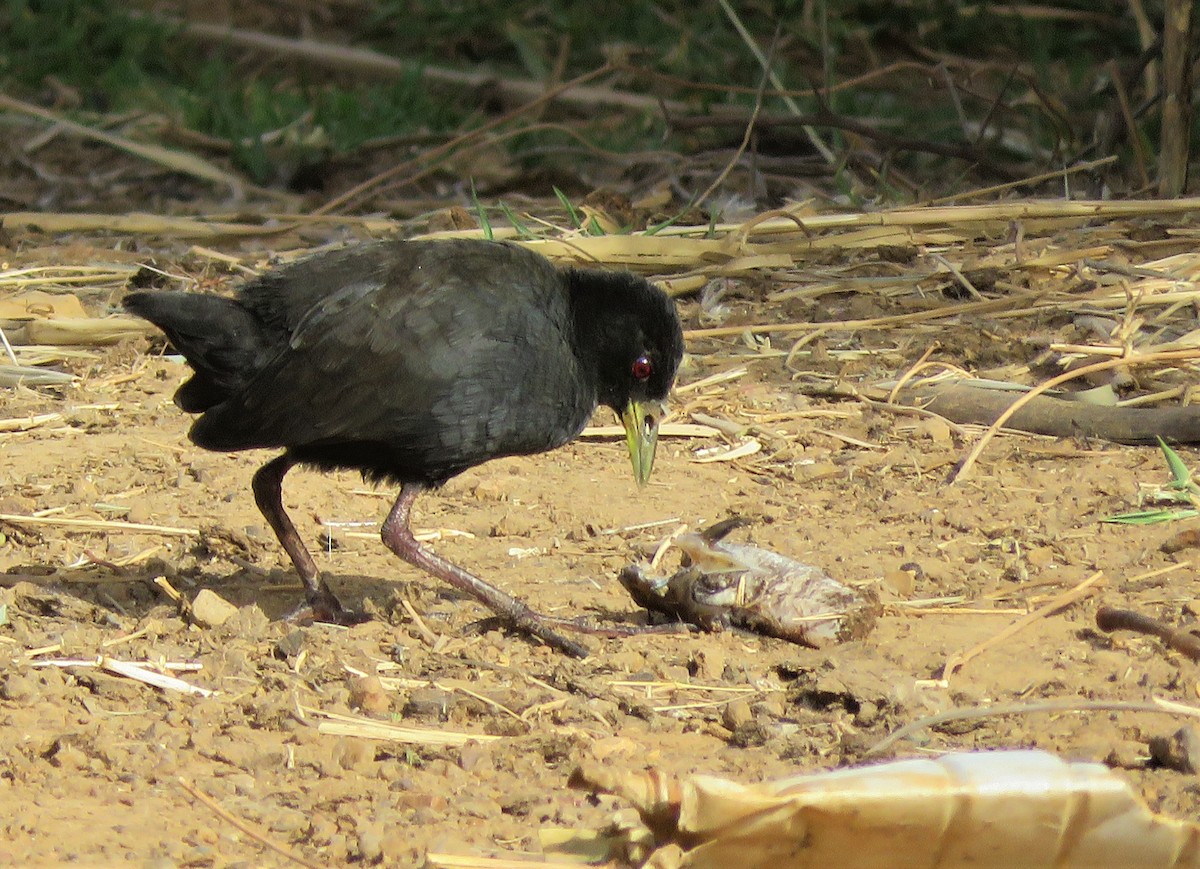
(629, 336)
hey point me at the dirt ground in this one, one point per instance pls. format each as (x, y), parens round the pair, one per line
(93, 765)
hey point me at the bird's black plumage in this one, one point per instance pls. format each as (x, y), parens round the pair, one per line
(413, 361)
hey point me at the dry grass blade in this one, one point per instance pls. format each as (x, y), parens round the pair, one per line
(23, 375)
(132, 670)
(176, 161)
(1130, 360)
(28, 422)
(956, 661)
(255, 834)
(99, 525)
(670, 429)
(368, 728)
(1070, 704)
(468, 861)
(140, 224)
(86, 332)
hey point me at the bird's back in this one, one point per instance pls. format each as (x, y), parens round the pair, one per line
(407, 360)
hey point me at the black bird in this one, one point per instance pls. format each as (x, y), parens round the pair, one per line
(412, 361)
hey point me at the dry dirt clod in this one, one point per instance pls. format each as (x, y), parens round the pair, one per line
(210, 610)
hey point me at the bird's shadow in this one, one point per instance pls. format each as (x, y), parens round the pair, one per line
(118, 597)
(135, 592)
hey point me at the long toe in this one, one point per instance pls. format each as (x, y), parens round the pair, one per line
(584, 625)
(547, 628)
(536, 625)
(323, 606)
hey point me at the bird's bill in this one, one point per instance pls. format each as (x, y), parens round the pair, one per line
(641, 434)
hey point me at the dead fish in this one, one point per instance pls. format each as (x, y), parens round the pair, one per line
(722, 585)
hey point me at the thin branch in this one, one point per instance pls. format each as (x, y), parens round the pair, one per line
(250, 831)
(827, 118)
(466, 138)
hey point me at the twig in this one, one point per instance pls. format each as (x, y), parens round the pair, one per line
(959, 276)
(1109, 619)
(956, 661)
(431, 639)
(142, 224)
(1023, 182)
(250, 831)
(176, 161)
(398, 170)
(333, 56)
(830, 119)
(368, 728)
(1131, 128)
(968, 461)
(25, 423)
(741, 148)
(1048, 706)
(826, 154)
(100, 525)
(8, 348)
(910, 373)
(131, 670)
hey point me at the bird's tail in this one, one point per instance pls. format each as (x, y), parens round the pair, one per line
(220, 339)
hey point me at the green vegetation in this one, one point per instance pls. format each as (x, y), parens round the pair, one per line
(1181, 490)
(1026, 87)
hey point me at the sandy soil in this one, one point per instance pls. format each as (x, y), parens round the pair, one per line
(91, 763)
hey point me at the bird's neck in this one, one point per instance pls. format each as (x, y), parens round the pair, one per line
(592, 323)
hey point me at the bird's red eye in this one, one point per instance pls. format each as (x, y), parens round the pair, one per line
(642, 368)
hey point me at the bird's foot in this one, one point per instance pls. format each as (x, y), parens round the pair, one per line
(323, 606)
(544, 628)
(537, 625)
(584, 625)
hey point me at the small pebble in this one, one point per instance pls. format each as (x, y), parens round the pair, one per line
(367, 694)
(210, 610)
(737, 713)
(370, 843)
(1180, 751)
(18, 688)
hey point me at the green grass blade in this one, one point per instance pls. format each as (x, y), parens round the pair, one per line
(670, 221)
(1180, 475)
(566, 203)
(484, 223)
(522, 229)
(1150, 517)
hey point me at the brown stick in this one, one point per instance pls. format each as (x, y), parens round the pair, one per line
(825, 118)
(960, 473)
(956, 661)
(1177, 98)
(1182, 640)
(397, 171)
(972, 405)
(363, 61)
(250, 831)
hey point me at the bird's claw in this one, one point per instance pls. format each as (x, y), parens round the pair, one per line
(546, 628)
(322, 605)
(538, 626)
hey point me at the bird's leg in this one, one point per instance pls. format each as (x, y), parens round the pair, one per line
(268, 494)
(398, 537)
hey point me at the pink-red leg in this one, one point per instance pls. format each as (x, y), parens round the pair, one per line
(398, 537)
(268, 494)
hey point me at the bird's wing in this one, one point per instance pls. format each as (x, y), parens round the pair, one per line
(453, 360)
